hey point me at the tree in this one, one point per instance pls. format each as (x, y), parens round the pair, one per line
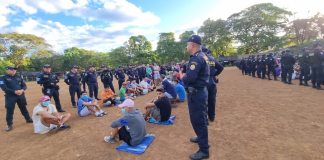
(216, 36)
(118, 57)
(139, 49)
(319, 20)
(168, 49)
(257, 27)
(19, 45)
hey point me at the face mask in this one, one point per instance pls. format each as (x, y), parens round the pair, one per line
(46, 103)
(123, 110)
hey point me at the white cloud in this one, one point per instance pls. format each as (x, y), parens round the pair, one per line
(62, 37)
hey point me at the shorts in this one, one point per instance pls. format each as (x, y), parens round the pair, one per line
(157, 75)
(41, 128)
(155, 113)
(124, 135)
(84, 112)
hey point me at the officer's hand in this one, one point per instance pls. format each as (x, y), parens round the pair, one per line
(17, 92)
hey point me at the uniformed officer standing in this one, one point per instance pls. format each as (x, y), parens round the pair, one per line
(50, 88)
(215, 69)
(91, 80)
(107, 77)
(253, 65)
(304, 68)
(120, 76)
(196, 80)
(72, 79)
(83, 76)
(271, 66)
(263, 66)
(14, 88)
(317, 68)
(290, 61)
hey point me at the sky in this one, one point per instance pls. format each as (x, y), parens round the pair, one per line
(102, 25)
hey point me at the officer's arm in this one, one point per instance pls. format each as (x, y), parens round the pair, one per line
(219, 68)
(41, 79)
(111, 74)
(116, 75)
(102, 77)
(4, 87)
(23, 84)
(56, 78)
(66, 79)
(192, 73)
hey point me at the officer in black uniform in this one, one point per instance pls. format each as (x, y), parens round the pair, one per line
(243, 66)
(253, 66)
(289, 64)
(317, 68)
(120, 76)
(50, 88)
(83, 77)
(107, 77)
(141, 72)
(73, 79)
(304, 68)
(14, 88)
(249, 65)
(196, 81)
(263, 66)
(215, 69)
(130, 73)
(271, 66)
(91, 80)
(259, 66)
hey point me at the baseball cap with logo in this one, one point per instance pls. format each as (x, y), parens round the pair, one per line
(195, 39)
(44, 98)
(127, 103)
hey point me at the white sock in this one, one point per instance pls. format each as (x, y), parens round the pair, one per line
(97, 113)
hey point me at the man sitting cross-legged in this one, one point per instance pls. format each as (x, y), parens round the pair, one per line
(159, 108)
(88, 105)
(108, 97)
(130, 128)
(46, 117)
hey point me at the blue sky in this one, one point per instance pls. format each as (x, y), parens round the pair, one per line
(102, 25)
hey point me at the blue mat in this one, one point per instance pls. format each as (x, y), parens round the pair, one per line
(168, 122)
(139, 149)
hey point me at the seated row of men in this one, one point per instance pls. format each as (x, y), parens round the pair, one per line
(131, 127)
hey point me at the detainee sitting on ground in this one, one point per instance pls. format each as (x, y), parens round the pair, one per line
(88, 105)
(108, 97)
(160, 108)
(130, 127)
(45, 117)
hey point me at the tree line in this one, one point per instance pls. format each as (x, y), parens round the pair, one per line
(258, 28)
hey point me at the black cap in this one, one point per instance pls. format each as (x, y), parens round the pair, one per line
(47, 66)
(11, 68)
(195, 39)
(204, 49)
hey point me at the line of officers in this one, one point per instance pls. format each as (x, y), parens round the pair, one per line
(310, 64)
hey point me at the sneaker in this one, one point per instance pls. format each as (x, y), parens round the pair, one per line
(61, 110)
(104, 113)
(199, 155)
(29, 121)
(99, 115)
(9, 128)
(64, 126)
(110, 139)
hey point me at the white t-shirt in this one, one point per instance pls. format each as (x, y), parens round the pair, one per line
(144, 84)
(38, 126)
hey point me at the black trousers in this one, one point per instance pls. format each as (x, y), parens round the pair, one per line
(10, 102)
(74, 89)
(53, 92)
(197, 103)
(110, 84)
(93, 90)
(211, 100)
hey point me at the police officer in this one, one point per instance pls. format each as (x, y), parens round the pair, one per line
(253, 66)
(83, 77)
(14, 88)
(243, 66)
(141, 72)
(91, 80)
(271, 66)
(215, 69)
(72, 79)
(259, 66)
(50, 88)
(107, 77)
(304, 68)
(289, 64)
(196, 80)
(317, 67)
(120, 76)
